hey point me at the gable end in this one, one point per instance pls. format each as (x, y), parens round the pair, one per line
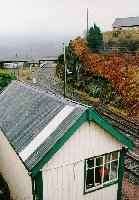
(88, 115)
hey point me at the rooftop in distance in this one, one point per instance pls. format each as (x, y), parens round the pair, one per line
(126, 22)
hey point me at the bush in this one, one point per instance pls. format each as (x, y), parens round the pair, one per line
(60, 59)
(100, 88)
(60, 71)
(5, 79)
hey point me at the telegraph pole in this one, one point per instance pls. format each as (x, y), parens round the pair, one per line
(65, 69)
(87, 23)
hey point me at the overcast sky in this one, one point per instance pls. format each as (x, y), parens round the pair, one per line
(51, 19)
(61, 16)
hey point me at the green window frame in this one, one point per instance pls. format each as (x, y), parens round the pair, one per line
(101, 171)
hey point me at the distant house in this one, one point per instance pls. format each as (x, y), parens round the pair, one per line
(13, 65)
(55, 149)
(126, 23)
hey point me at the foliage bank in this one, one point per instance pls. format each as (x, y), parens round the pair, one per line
(115, 68)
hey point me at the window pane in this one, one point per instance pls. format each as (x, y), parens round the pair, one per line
(114, 170)
(90, 178)
(106, 172)
(114, 155)
(90, 162)
(101, 170)
(107, 158)
(99, 161)
(98, 175)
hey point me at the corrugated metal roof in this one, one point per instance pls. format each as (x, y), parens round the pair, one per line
(126, 22)
(25, 111)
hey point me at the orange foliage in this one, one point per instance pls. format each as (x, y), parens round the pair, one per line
(121, 70)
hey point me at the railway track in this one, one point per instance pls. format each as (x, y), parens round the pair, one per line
(132, 169)
(131, 129)
(132, 177)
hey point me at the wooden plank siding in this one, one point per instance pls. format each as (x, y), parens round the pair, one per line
(63, 175)
(67, 182)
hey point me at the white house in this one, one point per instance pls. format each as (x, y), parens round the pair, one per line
(13, 65)
(129, 23)
(55, 149)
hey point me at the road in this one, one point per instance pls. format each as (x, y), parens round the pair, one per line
(46, 78)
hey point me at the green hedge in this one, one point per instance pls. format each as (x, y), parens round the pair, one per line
(5, 79)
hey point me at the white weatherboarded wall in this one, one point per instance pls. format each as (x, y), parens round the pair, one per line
(63, 175)
(14, 172)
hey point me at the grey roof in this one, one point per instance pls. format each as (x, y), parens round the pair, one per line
(24, 113)
(126, 22)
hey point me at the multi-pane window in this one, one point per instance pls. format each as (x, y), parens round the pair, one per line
(101, 170)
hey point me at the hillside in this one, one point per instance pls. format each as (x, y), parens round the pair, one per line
(118, 38)
(122, 73)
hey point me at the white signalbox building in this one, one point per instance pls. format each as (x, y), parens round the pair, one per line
(55, 149)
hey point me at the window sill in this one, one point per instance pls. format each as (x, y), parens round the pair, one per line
(101, 187)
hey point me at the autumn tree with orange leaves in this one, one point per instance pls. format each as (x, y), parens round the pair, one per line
(123, 75)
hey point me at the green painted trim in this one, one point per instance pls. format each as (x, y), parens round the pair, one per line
(103, 123)
(88, 115)
(84, 176)
(38, 186)
(33, 187)
(59, 143)
(104, 186)
(120, 174)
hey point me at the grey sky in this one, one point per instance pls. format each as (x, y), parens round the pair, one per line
(61, 16)
(39, 27)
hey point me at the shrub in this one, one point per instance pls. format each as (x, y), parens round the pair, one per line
(5, 79)
(100, 88)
